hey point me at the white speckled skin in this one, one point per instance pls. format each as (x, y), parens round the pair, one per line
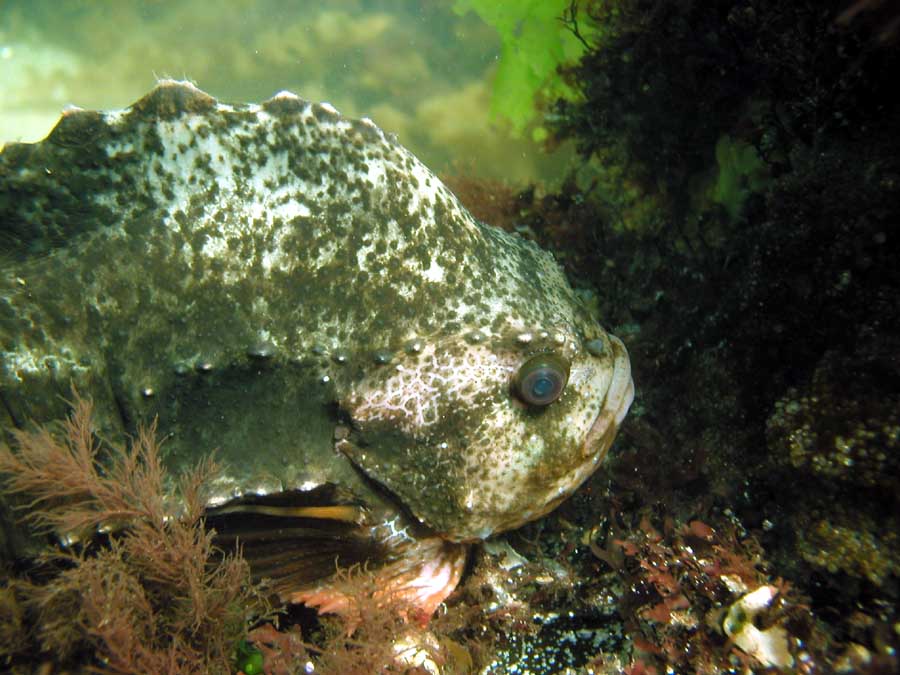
(261, 276)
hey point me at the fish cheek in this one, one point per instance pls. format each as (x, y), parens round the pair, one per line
(401, 464)
(425, 467)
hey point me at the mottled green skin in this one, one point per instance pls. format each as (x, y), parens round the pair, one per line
(294, 288)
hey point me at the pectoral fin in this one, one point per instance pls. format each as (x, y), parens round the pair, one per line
(299, 537)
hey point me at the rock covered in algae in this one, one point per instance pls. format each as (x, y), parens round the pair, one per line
(844, 425)
(840, 434)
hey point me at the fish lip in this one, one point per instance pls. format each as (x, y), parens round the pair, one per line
(618, 399)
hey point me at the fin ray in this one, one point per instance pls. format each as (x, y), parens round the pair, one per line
(300, 537)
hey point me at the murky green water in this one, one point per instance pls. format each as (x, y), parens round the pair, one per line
(417, 68)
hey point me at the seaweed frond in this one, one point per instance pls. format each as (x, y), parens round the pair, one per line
(158, 597)
(72, 492)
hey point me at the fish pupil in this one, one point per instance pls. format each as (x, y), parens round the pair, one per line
(542, 386)
(541, 379)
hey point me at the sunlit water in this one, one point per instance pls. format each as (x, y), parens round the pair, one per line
(417, 68)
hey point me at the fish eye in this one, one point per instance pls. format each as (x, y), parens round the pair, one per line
(541, 379)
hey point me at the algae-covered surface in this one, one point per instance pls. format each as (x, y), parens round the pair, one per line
(731, 212)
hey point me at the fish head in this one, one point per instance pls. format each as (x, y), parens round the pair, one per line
(482, 430)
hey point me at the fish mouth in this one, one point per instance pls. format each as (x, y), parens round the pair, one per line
(619, 396)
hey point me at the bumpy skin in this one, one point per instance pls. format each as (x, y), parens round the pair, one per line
(280, 282)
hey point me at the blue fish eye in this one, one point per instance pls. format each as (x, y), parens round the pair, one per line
(541, 380)
(541, 386)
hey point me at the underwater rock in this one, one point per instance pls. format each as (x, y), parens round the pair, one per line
(241, 273)
(854, 543)
(840, 434)
(844, 425)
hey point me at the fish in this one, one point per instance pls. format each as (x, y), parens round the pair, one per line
(384, 379)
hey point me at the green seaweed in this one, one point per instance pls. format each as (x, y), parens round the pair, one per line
(249, 660)
(741, 173)
(535, 41)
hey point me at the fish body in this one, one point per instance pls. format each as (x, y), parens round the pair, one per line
(296, 290)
